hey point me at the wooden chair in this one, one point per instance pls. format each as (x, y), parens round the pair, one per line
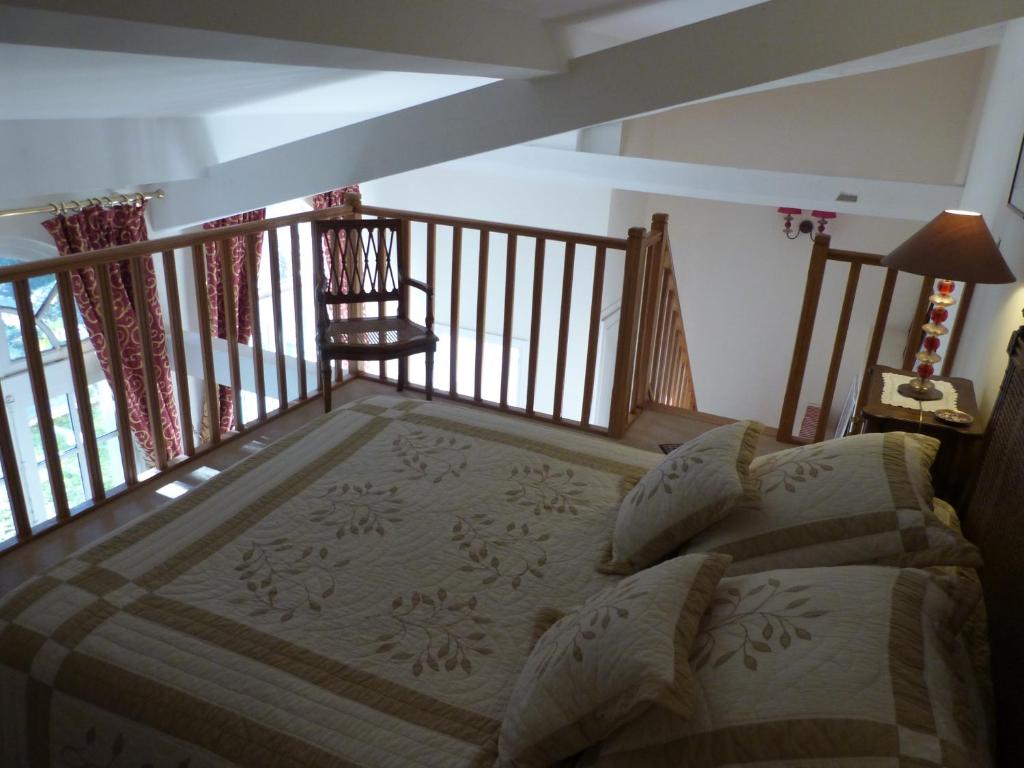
(358, 262)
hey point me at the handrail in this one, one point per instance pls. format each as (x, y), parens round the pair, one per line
(647, 359)
(498, 227)
(161, 244)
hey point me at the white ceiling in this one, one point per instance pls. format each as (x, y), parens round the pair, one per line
(218, 94)
(38, 83)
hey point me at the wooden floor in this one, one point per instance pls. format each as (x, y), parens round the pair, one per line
(652, 428)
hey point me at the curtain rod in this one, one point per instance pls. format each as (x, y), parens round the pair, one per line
(76, 205)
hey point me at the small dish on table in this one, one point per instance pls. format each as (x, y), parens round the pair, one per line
(955, 417)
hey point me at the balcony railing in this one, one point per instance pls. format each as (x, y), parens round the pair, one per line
(859, 266)
(573, 329)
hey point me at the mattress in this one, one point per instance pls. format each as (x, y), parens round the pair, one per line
(362, 592)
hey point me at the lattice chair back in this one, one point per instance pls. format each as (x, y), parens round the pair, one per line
(357, 260)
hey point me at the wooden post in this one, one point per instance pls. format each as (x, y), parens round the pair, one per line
(205, 334)
(156, 426)
(593, 335)
(958, 326)
(12, 474)
(300, 334)
(252, 279)
(453, 322)
(178, 345)
(481, 312)
(124, 430)
(538, 288)
(275, 290)
(41, 395)
(653, 278)
(804, 330)
(506, 331)
(884, 303)
(230, 310)
(625, 349)
(563, 328)
(81, 385)
(837, 350)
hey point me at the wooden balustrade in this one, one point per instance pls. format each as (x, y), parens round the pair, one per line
(822, 254)
(563, 365)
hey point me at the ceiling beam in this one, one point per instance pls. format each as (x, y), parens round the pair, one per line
(760, 44)
(463, 37)
(875, 197)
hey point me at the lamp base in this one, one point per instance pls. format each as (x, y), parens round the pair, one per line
(914, 390)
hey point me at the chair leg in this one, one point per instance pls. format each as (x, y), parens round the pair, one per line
(325, 383)
(430, 376)
(402, 370)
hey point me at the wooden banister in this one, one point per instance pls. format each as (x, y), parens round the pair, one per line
(647, 362)
(629, 319)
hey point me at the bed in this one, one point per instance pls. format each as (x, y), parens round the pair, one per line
(366, 592)
(361, 592)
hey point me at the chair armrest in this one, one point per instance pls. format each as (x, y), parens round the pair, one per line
(421, 285)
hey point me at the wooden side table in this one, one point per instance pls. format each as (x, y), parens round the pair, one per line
(961, 445)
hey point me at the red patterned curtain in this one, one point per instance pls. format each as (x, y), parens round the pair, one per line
(242, 320)
(332, 199)
(91, 229)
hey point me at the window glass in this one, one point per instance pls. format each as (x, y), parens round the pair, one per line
(45, 306)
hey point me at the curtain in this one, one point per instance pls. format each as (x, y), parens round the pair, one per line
(91, 229)
(331, 199)
(242, 321)
(334, 197)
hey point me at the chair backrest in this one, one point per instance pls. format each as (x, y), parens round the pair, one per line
(357, 260)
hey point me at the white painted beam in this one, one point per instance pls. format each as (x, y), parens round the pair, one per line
(43, 158)
(888, 199)
(442, 36)
(759, 44)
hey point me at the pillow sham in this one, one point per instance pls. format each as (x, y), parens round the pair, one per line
(860, 499)
(696, 485)
(604, 663)
(855, 665)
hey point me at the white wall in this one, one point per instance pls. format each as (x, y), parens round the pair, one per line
(910, 123)
(741, 284)
(996, 310)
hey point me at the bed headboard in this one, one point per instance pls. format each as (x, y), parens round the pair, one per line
(995, 522)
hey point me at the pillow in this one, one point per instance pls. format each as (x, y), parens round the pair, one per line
(860, 499)
(856, 665)
(696, 485)
(604, 663)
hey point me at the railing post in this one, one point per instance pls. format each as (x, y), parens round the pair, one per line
(625, 351)
(650, 306)
(802, 345)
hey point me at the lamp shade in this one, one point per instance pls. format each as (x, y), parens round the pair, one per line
(955, 245)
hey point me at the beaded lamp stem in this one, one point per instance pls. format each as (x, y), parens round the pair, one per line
(921, 388)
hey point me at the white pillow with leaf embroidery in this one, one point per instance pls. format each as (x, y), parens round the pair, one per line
(858, 666)
(697, 485)
(859, 499)
(622, 652)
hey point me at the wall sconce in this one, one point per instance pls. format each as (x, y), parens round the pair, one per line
(806, 226)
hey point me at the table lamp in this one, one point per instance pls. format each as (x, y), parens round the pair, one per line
(955, 245)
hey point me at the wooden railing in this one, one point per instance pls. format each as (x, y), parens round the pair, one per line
(553, 304)
(822, 254)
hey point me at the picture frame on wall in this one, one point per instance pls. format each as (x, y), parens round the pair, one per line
(1016, 200)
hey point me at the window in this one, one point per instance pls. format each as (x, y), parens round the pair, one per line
(45, 306)
(25, 428)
